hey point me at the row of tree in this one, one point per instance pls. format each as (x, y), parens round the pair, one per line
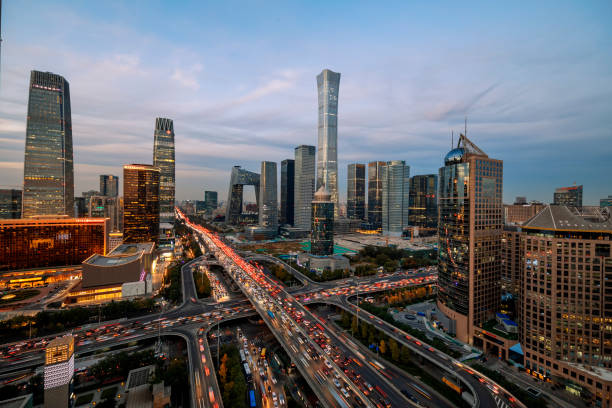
(407, 296)
(172, 289)
(231, 379)
(202, 284)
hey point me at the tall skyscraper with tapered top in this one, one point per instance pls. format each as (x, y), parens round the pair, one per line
(163, 158)
(48, 176)
(328, 83)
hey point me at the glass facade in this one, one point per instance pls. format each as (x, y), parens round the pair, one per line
(569, 196)
(163, 159)
(328, 83)
(140, 203)
(287, 191)
(109, 185)
(395, 186)
(423, 201)
(210, 201)
(10, 203)
(45, 242)
(304, 185)
(355, 201)
(322, 234)
(48, 181)
(238, 179)
(268, 207)
(375, 194)
(105, 207)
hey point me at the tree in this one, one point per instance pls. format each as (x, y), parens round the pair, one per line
(383, 347)
(364, 330)
(405, 355)
(395, 352)
(346, 319)
(223, 369)
(371, 338)
(354, 326)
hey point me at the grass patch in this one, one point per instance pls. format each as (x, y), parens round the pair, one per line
(18, 296)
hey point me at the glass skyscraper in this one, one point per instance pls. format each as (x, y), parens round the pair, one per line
(322, 235)
(287, 191)
(163, 158)
(109, 185)
(268, 200)
(48, 176)
(395, 186)
(210, 201)
(375, 170)
(328, 83)
(10, 203)
(355, 199)
(140, 203)
(423, 202)
(304, 185)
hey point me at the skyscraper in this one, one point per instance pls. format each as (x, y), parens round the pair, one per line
(268, 208)
(570, 196)
(375, 170)
(48, 177)
(470, 230)
(210, 201)
(423, 201)
(105, 207)
(396, 182)
(328, 83)
(322, 234)
(140, 203)
(355, 199)
(10, 203)
(304, 185)
(287, 191)
(59, 370)
(163, 158)
(109, 185)
(238, 179)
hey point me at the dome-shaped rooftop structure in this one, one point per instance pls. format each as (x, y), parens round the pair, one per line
(454, 156)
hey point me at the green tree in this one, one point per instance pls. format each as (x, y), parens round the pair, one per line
(364, 330)
(394, 348)
(354, 326)
(405, 355)
(383, 347)
(346, 319)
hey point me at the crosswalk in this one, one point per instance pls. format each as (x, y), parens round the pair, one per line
(500, 403)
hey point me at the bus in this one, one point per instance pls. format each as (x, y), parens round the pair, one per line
(242, 357)
(452, 384)
(252, 399)
(247, 372)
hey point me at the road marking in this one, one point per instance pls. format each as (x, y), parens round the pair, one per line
(500, 403)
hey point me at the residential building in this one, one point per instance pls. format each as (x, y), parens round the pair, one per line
(140, 203)
(268, 208)
(59, 371)
(328, 84)
(375, 187)
(163, 159)
(570, 196)
(423, 202)
(109, 185)
(322, 236)
(287, 200)
(304, 186)
(48, 175)
(395, 187)
(238, 179)
(470, 231)
(10, 203)
(355, 198)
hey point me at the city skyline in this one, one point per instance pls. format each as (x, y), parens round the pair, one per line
(407, 116)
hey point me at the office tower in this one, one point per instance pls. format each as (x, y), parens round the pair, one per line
(48, 178)
(304, 185)
(570, 196)
(287, 191)
(109, 185)
(105, 207)
(423, 202)
(163, 159)
(606, 202)
(518, 213)
(511, 259)
(566, 309)
(81, 205)
(396, 182)
(328, 83)
(375, 170)
(140, 203)
(469, 230)
(322, 234)
(268, 204)
(210, 201)
(355, 198)
(10, 203)
(59, 370)
(50, 241)
(238, 179)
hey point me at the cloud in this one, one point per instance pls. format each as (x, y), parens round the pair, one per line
(188, 77)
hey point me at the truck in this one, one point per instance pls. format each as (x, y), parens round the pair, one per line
(270, 314)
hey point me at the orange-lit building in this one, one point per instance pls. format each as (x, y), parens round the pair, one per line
(59, 370)
(140, 203)
(50, 241)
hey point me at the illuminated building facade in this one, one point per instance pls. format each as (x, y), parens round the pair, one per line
(48, 176)
(163, 159)
(287, 202)
(355, 198)
(10, 204)
(304, 186)
(423, 202)
(238, 179)
(375, 172)
(268, 204)
(511, 259)
(322, 236)
(570, 196)
(395, 186)
(566, 307)
(43, 242)
(328, 84)
(59, 370)
(470, 231)
(109, 185)
(518, 213)
(140, 203)
(105, 207)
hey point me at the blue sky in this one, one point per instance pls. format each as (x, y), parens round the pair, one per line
(238, 78)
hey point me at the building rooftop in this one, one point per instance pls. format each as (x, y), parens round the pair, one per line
(17, 402)
(560, 217)
(61, 341)
(130, 249)
(114, 260)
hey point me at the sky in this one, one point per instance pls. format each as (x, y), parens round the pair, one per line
(534, 80)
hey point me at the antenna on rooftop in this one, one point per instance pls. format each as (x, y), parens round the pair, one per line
(452, 139)
(465, 127)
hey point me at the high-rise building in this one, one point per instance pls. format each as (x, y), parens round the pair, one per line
(59, 370)
(304, 185)
(396, 183)
(140, 203)
(163, 159)
(48, 176)
(322, 235)
(109, 185)
(10, 203)
(287, 191)
(519, 213)
(210, 201)
(470, 230)
(606, 202)
(423, 201)
(375, 172)
(355, 198)
(268, 199)
(328, 84)
(238, 179)
(105, 207)
(565, 326)
(570, 196)
(511, 260)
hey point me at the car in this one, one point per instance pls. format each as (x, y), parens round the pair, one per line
(274, 397)
(328, 364)
(336, 383)
(281, 399)
(344, 392)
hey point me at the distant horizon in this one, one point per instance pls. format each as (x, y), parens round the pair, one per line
(240, 86)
